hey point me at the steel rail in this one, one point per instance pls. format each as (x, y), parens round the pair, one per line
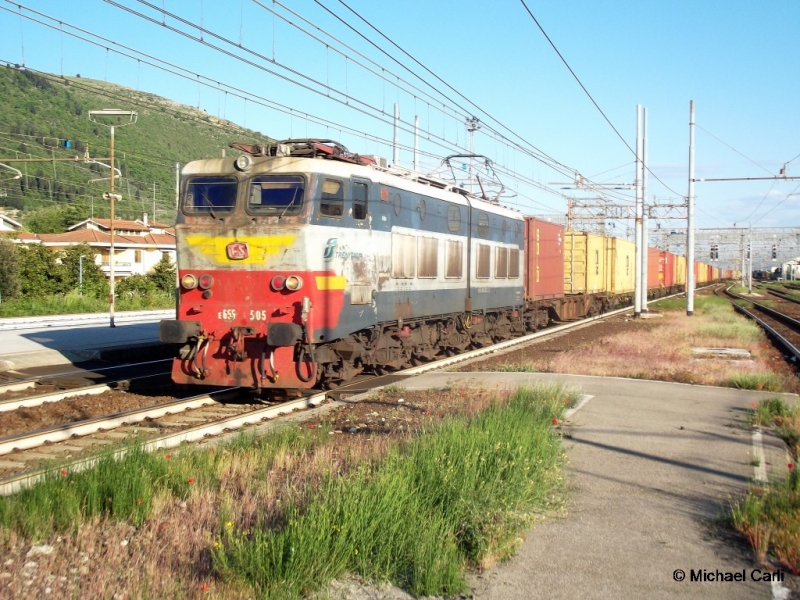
(12, 484)
(791, 348)
(27, 381)
(793, 323)
(88, 390)
(65, 431)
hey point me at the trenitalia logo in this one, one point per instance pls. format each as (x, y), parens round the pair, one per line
(330, 247)
(236, 251)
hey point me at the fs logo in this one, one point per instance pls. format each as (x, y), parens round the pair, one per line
(330, 247)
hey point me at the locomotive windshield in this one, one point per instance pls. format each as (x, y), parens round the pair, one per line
(210, 195)
(275, 194)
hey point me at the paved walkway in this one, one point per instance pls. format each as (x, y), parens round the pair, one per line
(652, 467)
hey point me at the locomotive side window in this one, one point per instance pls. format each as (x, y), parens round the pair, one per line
(281, 194)
(427, 257)
(404, 256)
(513, 263)
(210, 195)
(360, 201)
(453, 257)
(483, 225)
(332, 200)
(453, 218)
(501, 263)
(484, 264)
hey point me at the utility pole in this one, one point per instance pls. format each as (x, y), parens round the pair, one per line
(690, 220)
(645, 210)
(396, 148)
(111, 196)
(473, 124)
(637, 288)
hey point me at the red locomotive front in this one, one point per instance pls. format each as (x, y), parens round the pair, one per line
(250, 301)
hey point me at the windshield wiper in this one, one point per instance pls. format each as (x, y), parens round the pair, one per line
(288, 206)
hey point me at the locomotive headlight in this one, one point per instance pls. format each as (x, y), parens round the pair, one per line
(189, 281)
(205, 281)
(277, 283)
(243, 162)
(293, 283)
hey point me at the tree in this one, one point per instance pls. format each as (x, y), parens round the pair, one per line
(95, 283)
(40, 275)
(53, 219)
(163, 275)
(9, 270)
(135, 286)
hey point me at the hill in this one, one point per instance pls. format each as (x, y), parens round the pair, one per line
(46, 116)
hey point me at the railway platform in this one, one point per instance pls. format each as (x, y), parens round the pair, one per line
(53, 345)
(652, 469)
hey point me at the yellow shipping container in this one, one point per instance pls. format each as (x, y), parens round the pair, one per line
(584, 263)
(702, 272)
(620, 266)
(680, 270)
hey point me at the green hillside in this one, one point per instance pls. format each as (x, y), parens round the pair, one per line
(39, 112)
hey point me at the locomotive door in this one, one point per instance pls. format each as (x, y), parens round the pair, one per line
(362, 276)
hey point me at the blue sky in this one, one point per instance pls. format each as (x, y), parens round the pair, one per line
(739, 61)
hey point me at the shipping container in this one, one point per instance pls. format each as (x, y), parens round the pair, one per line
(668, 268)
(680, 270)
(700, 273)
(655, 269)
(584, 263)
(544, 259)
(620, 266)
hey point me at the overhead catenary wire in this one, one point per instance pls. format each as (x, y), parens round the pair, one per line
(175, 70)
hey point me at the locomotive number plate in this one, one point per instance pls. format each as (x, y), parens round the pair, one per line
(258, 315)
(227, 314)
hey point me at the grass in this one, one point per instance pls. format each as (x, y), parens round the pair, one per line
(663, 350)
(281, 515)
(73, 303)
(765, 380)
(769, 515)
(445, 500)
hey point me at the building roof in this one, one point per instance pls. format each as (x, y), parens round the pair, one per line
(92, 237)
(14, 224)
(121, 224)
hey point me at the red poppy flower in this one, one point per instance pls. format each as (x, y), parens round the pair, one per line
(555, 421)
(64, 472)
(311, 426)
(791, 466)
(168, 456)
(138, 501)
(191, 480)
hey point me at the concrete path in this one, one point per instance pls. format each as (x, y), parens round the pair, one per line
(652, 467)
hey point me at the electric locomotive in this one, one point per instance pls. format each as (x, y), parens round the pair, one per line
(301, 264)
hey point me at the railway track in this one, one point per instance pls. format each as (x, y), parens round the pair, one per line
(27, 457)
(783, 328)
(22, 384)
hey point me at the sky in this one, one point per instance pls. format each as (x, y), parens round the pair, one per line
(571, 100)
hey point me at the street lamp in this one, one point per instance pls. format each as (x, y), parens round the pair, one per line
(111, 196)
(80, 274)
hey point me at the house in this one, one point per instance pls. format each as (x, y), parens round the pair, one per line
(138, 245)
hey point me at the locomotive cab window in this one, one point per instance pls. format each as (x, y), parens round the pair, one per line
(332, 200)
(275, 194)
(213, 196)
(359, 201)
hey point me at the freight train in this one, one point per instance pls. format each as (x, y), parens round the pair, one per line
(302, 265)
